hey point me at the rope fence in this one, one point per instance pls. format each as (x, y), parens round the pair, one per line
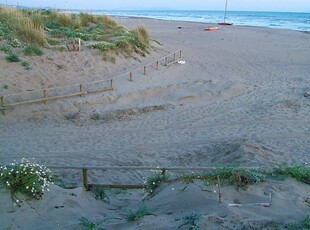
(49, 94)
(87, 186)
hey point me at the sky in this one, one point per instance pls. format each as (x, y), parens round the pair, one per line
(234, 5)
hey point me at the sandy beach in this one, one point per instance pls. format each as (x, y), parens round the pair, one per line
(240, 98)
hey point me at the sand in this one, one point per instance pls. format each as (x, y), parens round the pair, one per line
(239, 98)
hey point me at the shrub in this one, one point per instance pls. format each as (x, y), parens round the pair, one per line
(31, 50)
(25, 177)
(6, 49)
(5, 86)
(12, 58)
(192, 221)
(26, 65)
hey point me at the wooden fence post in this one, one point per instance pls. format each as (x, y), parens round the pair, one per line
(145, 71)
(81, 90)
(45, 96)
(130, 77)
(3, 106)
(174, 58)
(180, 54)
(85, 179)
(157, 65)
(111, 83)
(166, 61)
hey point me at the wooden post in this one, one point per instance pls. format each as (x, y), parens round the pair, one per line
(81, 90)
(145, 72)
(166, 61)
(111, 84)
(219, 188)
(130, 77)
(174, 58)
(157, 65)
(45, 96)
(180, 54)
(85, 179)
(79, 44)
(3, 106)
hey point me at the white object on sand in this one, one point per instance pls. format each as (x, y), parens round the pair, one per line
(181, 62)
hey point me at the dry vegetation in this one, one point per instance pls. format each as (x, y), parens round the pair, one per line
(46, 28)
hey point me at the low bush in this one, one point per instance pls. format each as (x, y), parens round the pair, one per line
(12, 58)
(25, 177)
(6, 49)
(32, 50)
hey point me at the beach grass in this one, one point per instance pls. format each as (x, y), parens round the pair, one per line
(140, 213)
(47, 28)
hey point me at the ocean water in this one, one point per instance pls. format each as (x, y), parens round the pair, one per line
(280, 20)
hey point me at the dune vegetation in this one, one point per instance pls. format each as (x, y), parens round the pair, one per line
(50, 29)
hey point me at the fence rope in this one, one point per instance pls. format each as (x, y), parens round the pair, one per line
(45, 96)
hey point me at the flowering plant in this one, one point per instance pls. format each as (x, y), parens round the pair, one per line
(25, 177)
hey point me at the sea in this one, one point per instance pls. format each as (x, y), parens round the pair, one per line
(280, 20)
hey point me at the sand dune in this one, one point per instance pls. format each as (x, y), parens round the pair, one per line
(239, 98)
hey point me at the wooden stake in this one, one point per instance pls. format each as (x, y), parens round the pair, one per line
(219, 185)
(45, 96)
(166, 61)
(111, 85)
(81, 90)
(130, 77)
(145, 72)
(85, 179)
(157, 65)
(3, 106)
(180, 54)
(79, 44)
(2, 101)
(174, 58)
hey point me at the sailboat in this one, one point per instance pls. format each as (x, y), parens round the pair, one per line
(224, 23)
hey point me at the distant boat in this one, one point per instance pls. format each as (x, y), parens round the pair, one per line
(224, 23)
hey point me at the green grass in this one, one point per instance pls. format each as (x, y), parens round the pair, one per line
(229, 175)
(155, 180)
(6, 49)
(32, 50)
(12, 58)
(90, 225)
(100, 194)
(140, 213)
(191, 221)
(5, 86)
(303, 225)
(300, 173)
(26, 65)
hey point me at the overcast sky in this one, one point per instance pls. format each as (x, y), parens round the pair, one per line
(247, 5)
